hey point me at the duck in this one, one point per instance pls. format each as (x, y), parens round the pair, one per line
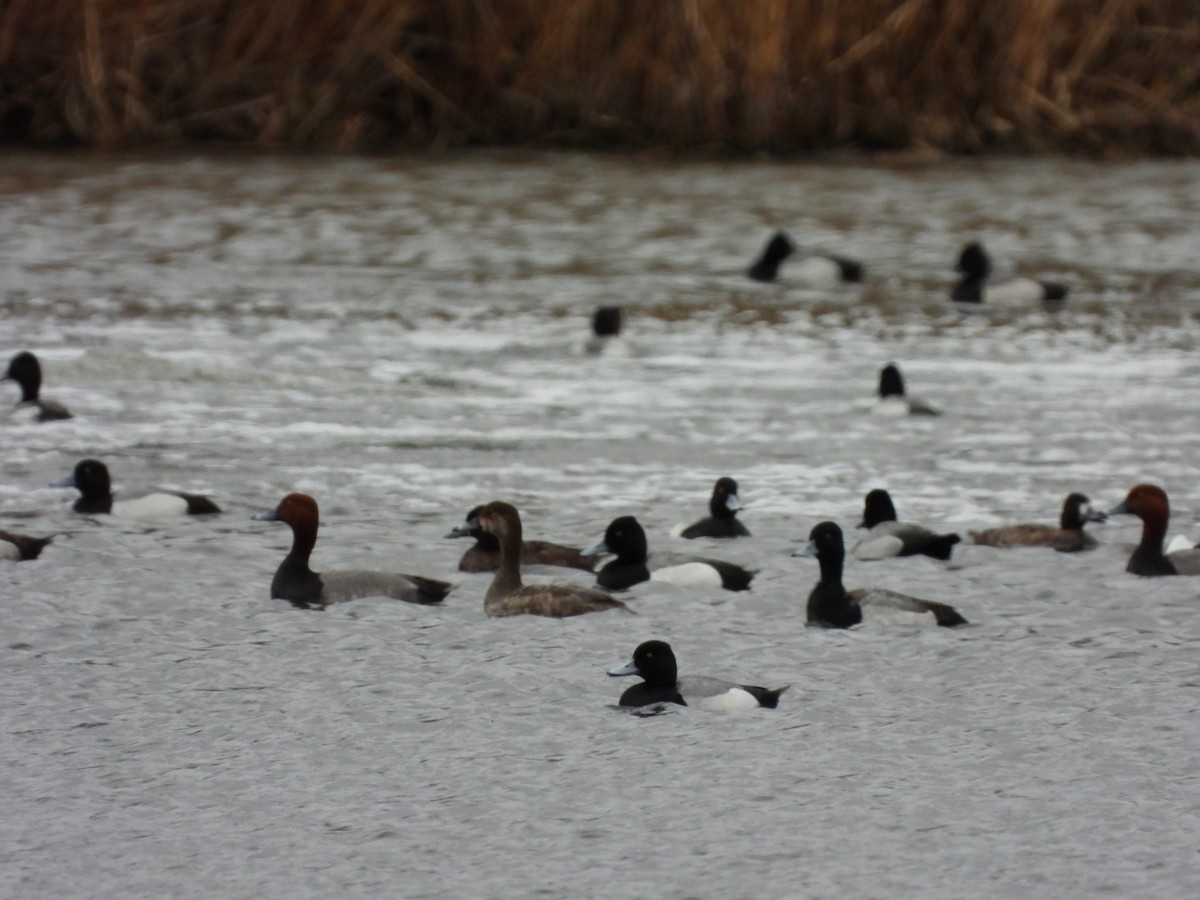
(295, 582)
(606, 339)
(893, 401)
(723, 506)
(1150, 504)
(1068, 537)
(26, 371)
(626, 539)
(817, 270)
(484, 554)
(655, 662)
(973, 287)
(92, 480)
(509, 596)
(19, 547)
(830, 605)
(887, 538)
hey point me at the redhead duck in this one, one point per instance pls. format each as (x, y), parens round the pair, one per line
(606, 337)
(295, 582)
(92, 481)
(1023, 293)
(892, 400)
(508, 596)
(654, 661)
(887, 537)
(626, 538)
(484, 555)
(815, 270)
(18, 547)
(1069, 537)
(724, 505)
(830, 605)
(26, 371)
(1149, 503)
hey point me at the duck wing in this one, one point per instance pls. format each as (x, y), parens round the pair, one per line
(338, 587)
(945, 614)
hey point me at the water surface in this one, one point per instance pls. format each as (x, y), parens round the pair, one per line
(400, 338)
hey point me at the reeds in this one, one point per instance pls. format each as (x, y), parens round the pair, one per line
(1108, 76)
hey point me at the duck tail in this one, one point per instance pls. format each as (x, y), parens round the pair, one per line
(768, 697)
(430, 590)
(942, 546)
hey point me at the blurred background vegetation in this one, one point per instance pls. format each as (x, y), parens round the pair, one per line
(1106, 77)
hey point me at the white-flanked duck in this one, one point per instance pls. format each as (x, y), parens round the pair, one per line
(830, 605)
(891, 399)
(26, 371)
(509, 596)
(1068, 537)
(654, 661)
(886, 537)
(809, 269)
(295, 582)
(1018, 293)
(92, 480)
(626, 538)
(606, 339)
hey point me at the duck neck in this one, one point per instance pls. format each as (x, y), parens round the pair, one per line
(1154, 532)
(508, 576)
(304, 539)
(831, 569)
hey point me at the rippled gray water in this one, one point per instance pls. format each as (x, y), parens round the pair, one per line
(400, 339)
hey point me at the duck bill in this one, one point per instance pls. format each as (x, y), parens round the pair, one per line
(271, 515)
(463, 530)
(809, 549)
(68, 482)
(1096, 515)
(732, 503)
(600, 549)
(626, 668)
(1119, 510)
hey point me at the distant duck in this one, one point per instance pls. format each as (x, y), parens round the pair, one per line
(830, 605)
(815, 270)
(655, 662)
(18, 547)
(92, 480)
(606, 339)
(1019, 293)
(295, 582)
(1068, 537)
(509, 596)
(893, 401)
(1149, 503)
(626, 538)
(886, 537)
(484, 554)
(26, 371)
(723, 508)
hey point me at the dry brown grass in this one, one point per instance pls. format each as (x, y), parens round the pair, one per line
(1116, 76)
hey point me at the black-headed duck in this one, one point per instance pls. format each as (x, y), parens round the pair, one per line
(626, 538)
(723, 508)
(830, 605)
(654, 661)
(886, 537)
(90, 477)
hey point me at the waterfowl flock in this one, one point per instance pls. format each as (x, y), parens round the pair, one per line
(622, 560)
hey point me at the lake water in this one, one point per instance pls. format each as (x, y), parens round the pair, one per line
(400, 338)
